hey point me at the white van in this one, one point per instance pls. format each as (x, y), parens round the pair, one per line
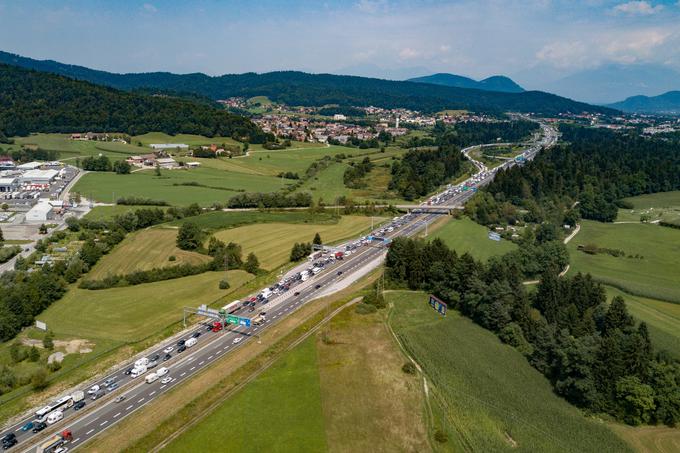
(162, 371)
(54, 417)
(151, 377)
(141, 362)
(190, 342)
(138, 371)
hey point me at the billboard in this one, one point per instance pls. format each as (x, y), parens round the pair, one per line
(41, 325)
(494, 236)
(438, 304)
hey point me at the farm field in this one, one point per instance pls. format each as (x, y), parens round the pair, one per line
(659, 206)
(196, 140)
(131, 313)
(272, 242)
(341, 390)
(655, 275)
(662, 318)
(487, 396)
(144, 250)
(107, 187)
(466, 236)
(108, 212)
(69, 149)
(218, 220)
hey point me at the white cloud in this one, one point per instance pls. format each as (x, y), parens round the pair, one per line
(408, 54)
(638, 8)
(148, 7)
(372, 6)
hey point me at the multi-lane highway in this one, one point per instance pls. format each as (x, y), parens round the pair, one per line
(131, 394)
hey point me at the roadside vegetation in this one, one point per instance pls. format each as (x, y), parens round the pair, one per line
(465, 236)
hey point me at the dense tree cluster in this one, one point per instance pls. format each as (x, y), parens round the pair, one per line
(420, 172)
(270, 200)
(594, 354)
(300, 251)
(474, 133)
(354, 174)
(32, 101)
(24, 155)
(98, 163)
(587, 176)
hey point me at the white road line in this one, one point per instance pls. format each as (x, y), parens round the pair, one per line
(129, 407)
(192, 368)
(201, 362)
(210, 357)
(103, 423)
(75, 440)
(89, 432)
(117, 415)
(163, 386)
(182, 374)
(140, 400)
(152, 393)
(225, 348)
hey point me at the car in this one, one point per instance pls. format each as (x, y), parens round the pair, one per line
(263, 313)
(339, 272)
(128, 372)
(27, 426)
(152, 364)
(318, 286)
(181, 343)
(119, 399)
(155, 358)
(94, 389)
(112, 387)
(251, 309)
(109, 381)
(208, 328)
(166, 380)
(167, 357)
(182, 348)
(79, 405)
(61, 450)
(168, 350)
(196, 335)
(37, 427)
(9, 443)
(296, 293)
(237, 340)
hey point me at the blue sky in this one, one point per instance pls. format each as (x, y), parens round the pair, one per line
(532, 40)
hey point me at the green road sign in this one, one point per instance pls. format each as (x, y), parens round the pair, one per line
(231, 319)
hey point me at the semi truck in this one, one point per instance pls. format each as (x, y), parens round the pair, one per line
(339, 255)
(141, 362)
(56, 441)
(216, 327)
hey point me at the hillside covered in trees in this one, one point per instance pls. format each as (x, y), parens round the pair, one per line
(595, 354)
(32, 101)
(299, 88)
(586, 176)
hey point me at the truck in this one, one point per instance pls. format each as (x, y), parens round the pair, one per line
(232, 307)
(138, 371)
(314, 256)
(191, 341)
(141, 362)
(339, 255)
(56, 441)
(78, 396)
(259, 319)
(216, 327)
(151, 377)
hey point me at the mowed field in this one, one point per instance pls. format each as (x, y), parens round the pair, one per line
(485, 395)
(466, 236)
(659, 206)
(69, 149)
(272, 242)
(655, 275)
(662, 318)
(341, 390)
(144, 250)
(132, 313)
(215, 185)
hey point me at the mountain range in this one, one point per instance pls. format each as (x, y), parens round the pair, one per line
(493, 83)
(668, 103)
(300, 88)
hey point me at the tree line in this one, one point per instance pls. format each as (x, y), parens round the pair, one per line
(354, 174)
(594, 353)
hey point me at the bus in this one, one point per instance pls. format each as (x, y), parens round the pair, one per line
(62, 403)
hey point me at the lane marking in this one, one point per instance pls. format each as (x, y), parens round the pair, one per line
(201, 362)
(140, 400)
(192, 368)
(152, 393)
(129, 407)
(117, 415)
(182, 374)
(76, 440)
(210, 358)
(163, 386)
(103, 423)
(89, 432)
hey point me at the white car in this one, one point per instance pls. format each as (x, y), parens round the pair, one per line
(166, 380)
(169, 349)
(94, 389)
(162, 371)
(237, 340)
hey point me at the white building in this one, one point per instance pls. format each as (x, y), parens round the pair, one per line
(164, 146)
(40, 212)
(166, 162)
(8, 184)
(30, 166)
(339, 117)
(39, 176)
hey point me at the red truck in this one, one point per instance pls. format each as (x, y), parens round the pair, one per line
(216, 326)
(339, 255)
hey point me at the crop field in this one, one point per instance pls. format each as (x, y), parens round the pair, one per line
(341, 390)
(487, 396)
(108, 212)
(662, 318)
(214, 185)
(71, 149)
(145, 250)
(196, 140)
(219, 220)
(272, 242)
(654, 275)
(658, 206)
(466, 236)
(134, 312)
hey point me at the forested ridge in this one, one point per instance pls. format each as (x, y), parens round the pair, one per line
(594, 353)
(591, 172)
(32, 101)
(300, 88)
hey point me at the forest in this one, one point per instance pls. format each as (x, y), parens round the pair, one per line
(473, 133)
(33, 101)
(420, 172)
(587, 176)
(594, 354)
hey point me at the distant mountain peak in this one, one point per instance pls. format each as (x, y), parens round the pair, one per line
(494, 83)
(668, 103)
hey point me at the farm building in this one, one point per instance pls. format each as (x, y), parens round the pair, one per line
(166, 162)
(40, 213)
(39, 176)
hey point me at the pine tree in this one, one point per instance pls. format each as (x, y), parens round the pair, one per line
(617, 317)
(317, 239)
(252, 264)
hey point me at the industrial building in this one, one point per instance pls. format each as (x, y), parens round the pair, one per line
(38, 176)
(40, 212)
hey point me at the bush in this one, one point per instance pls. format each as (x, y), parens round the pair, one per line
(441, 437)
(363, 309)
(224, 284)
(409, 368)
(39, 379)
(33, 354)
(141, 201)
(172, 258)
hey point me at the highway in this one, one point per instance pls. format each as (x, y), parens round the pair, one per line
(99, 415)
